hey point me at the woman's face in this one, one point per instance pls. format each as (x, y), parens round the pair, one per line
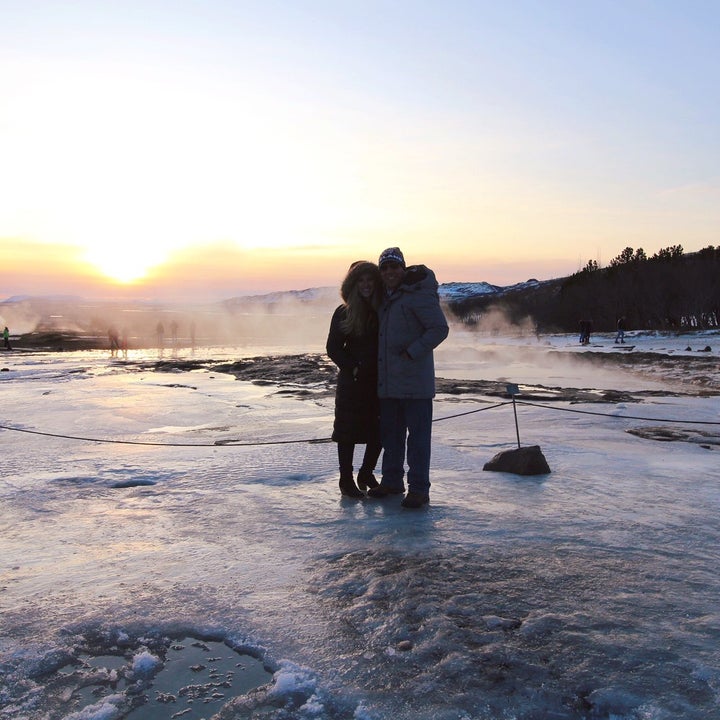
(366, 285)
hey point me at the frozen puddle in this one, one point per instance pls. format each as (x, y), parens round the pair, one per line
(188, 678)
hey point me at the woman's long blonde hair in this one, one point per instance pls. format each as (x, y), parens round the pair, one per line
(360, 314)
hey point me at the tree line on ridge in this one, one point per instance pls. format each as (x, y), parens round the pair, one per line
(671, 290)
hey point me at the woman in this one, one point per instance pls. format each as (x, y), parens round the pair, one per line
(352, 345)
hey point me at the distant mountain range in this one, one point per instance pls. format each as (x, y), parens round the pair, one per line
(456, 291)
(449, 292)
(670, 290)
(303, 313)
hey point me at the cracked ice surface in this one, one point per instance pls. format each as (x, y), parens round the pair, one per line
(590, 592)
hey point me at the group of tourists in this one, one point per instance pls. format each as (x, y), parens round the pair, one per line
(382, 339)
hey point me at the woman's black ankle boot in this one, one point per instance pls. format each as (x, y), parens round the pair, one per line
(348, 486)
(366, 479)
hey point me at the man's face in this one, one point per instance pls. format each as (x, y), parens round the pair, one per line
(392, 274)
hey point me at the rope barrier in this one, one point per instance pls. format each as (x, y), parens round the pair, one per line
(216, 443)
(258, 443)
(471, 412)
(619, 417)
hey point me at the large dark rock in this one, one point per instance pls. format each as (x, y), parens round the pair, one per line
(521, 461)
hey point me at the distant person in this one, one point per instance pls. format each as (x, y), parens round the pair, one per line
(124, 342)
(412, 325)
(174, 338)
(114, 339)
(6, 338)
(620, 337)
(352, 344)
(585, 330)
(160, 334)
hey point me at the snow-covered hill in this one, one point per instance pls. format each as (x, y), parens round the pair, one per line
(449, 292)
(455, 291)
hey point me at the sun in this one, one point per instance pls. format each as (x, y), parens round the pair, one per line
(124, 265)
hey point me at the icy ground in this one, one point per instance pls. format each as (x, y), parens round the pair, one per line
(591, 592)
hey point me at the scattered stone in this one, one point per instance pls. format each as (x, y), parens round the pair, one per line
(494, 622)
(404, 645)
(122, 484)
(520, 461)
(663, 433)
(613, 701)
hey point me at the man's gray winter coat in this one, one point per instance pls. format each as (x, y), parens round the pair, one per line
(412, 322)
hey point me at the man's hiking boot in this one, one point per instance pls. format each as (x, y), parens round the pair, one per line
(415, 500)
(383, 491)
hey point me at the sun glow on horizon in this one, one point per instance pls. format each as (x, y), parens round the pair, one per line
(179, 156)
(131, 189)
(126, 267)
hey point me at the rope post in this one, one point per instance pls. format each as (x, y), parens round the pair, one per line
(513, 390)
(523, 461)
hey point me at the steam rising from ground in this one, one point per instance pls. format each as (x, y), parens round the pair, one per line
(287, 318)
(495, 321)
(280, 318)
(486, 347)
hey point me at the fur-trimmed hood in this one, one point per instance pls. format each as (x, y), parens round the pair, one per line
(361, 267)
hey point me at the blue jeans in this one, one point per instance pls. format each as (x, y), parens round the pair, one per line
(406, 422)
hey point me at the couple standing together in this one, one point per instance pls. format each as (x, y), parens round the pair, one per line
(382, 339)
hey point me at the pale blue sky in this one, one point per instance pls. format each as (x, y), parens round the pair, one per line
(494, 141)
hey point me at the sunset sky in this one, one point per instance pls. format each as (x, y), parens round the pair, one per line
(212, 149)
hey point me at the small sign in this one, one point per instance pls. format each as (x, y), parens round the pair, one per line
(512, 389)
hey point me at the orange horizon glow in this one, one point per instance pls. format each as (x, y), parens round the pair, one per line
(222, 270)
(220, 153)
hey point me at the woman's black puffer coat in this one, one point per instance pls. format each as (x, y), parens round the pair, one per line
(356, 403)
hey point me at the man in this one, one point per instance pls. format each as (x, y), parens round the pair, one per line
(620, 337)
(412, 325)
